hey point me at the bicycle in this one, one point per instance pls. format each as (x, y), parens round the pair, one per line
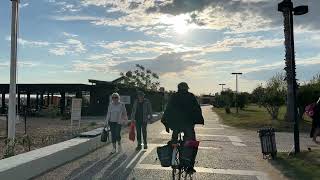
(177, 169)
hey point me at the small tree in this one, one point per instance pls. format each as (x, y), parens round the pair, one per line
(274, 95)
(142, 78)
(308, 93)
(257, 95)
(243, 99)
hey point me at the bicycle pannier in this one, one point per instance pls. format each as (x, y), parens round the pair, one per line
(164, 155)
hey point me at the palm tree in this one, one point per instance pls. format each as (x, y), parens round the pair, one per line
(290, 62)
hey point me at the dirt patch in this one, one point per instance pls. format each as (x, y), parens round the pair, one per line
(42, 132)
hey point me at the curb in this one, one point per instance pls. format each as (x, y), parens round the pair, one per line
(37, 162)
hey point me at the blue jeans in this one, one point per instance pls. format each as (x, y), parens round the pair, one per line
(115, 129)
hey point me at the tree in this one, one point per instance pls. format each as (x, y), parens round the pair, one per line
(142, 78)
(274, 95)
(257, 95)
(243, 99)
(224, 100)
(308, 93)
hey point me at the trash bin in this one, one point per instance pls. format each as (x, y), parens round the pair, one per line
(268, 142)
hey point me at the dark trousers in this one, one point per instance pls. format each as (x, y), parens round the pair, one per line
(189, 134)
(115, 129)
(141, 127)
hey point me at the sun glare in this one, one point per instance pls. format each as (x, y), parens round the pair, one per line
(181, 27)
(179, 24)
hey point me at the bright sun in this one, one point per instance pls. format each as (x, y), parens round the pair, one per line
(179, 24)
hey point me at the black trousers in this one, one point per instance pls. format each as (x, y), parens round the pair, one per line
(115, 129)
(189, 134)
(140, 126)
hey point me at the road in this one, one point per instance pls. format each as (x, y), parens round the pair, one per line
(224, 153)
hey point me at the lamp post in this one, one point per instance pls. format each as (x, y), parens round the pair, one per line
(287, 9)
(13, 70)
(237, 89)
(222, 86)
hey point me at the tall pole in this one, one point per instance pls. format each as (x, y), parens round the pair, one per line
(222, 86)
(286, 7)
(236, 102)
(13, 70)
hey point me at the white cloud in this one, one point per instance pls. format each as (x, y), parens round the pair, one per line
(95, 57)
(70, 46)
(30, 43)
(21, 63)
(254, 42)
(4, 64)
(28, 64)
(142, 47)
(23, 5)
(83, 66)
(281, 64)
(65, 6)
(309, 61)
(75, 18)
(167, 63)
(69, 35)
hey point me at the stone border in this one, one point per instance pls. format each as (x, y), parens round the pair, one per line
(36, 162)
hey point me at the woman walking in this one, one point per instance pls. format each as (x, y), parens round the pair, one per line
(116, 116)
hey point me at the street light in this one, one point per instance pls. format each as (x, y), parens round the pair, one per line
(222, 86)
(287, 9)
(13, 70)
(237, 89)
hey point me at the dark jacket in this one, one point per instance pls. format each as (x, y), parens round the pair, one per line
(315, 119)
(183, 110)
(147, 110)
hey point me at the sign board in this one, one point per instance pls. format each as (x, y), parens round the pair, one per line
(76, 110)
(123, 99)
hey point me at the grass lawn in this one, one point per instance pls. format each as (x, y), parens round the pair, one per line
(305, 165)
(255, 117)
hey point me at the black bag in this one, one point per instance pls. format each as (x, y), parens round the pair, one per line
(104, 135)
(165, 155)
(188, 156)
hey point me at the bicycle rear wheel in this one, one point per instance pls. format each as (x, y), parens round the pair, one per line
(176, 173)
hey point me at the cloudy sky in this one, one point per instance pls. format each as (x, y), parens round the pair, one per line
(197, 41)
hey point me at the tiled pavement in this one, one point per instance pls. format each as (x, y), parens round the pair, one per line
(224, 153)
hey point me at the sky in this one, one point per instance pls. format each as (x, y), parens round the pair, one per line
(200, 42)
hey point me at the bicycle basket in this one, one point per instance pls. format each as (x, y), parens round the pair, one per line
(164, 155)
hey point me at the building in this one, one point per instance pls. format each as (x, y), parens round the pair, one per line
(95, 96)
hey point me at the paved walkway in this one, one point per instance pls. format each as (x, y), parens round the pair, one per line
(224, 153)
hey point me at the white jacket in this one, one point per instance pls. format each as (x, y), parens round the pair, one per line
(117, 113)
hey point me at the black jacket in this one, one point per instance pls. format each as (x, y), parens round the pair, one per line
(182, 111)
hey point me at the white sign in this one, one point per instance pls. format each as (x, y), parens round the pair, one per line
(76, 110)
(123, 99)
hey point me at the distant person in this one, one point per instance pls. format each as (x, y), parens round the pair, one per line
(182, 113)
(315, 130)
(141, 115)
(116, 116)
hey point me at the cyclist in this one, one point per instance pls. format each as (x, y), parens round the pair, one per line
(182, 113)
